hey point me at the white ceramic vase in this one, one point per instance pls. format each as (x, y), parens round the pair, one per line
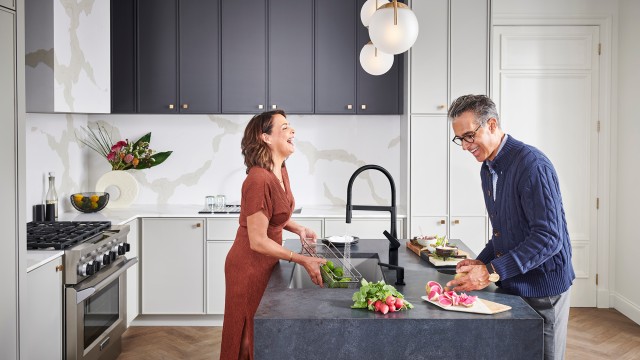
(121, 186)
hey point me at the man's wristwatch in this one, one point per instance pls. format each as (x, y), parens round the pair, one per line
(493, 275)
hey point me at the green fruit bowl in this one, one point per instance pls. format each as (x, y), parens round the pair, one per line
(89, 202)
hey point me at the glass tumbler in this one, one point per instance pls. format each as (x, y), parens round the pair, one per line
(210, 203)
(220, 202)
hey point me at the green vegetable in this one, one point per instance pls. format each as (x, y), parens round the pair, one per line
(330, 264)
(375, 291)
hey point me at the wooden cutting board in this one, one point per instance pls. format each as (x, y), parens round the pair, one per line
(481, 306)
(435, 261)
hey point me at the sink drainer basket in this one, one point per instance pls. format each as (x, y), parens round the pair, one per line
(350, 277)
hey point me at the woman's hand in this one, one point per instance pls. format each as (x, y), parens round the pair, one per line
(307, 235)
(312, 265)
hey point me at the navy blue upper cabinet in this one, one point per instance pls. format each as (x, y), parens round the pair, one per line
(378, 94)
(267, 56)
(173, 64)
(335, 56)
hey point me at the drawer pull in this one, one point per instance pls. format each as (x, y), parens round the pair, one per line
(59, 268)
(198, 225)
(442, 222)
(171, 106)
(349, 107)
(260, 106)
(456, 222)
(185, 106)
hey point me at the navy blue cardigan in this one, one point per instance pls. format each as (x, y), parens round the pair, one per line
(530, 246)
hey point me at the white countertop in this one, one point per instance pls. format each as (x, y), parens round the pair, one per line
(37, 258)
(121, 216)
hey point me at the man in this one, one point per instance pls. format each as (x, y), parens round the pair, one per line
(529, 253)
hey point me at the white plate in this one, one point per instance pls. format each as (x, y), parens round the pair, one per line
(346, 239)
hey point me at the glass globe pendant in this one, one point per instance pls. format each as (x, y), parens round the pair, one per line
(374, 61)
(369, 7)
(393, 28)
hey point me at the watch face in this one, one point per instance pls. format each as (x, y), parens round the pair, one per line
(494, 277)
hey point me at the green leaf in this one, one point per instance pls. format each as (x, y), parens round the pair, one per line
(155, 159)
(146, 138)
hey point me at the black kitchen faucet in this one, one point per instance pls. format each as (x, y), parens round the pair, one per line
(394, 244)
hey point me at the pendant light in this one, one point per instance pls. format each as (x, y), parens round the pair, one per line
(374, 61)
(369, 7)
(393, 28)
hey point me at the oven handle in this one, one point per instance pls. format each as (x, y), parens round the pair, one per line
(82, 295)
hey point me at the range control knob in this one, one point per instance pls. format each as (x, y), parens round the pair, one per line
(96, 266)
(106, 259)
(127, 247)
(82, 269)
(113, 254)
(91, 268)
(121, 249)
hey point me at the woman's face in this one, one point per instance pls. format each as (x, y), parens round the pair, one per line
(280, 140)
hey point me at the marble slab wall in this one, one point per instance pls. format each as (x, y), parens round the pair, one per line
(206, 157)
(68, 56)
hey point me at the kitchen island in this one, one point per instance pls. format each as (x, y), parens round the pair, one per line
(319, 323)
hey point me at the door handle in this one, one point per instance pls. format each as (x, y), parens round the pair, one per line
(185, 106)
(171, 106)
(456, 222)
(442, 222)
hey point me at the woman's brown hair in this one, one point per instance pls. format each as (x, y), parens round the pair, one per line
(255, 151)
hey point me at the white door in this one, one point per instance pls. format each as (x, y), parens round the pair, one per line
(545, 84)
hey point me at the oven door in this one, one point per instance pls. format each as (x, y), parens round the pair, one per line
(96, 313)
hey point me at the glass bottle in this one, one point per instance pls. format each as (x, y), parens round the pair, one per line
(52, 195)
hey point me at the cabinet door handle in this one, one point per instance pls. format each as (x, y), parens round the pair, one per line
(185, 106)
(171, 106)
(349, 107)
(260, 106)
(456, 222)
(199, 225)
(363, 107)
(441, 106)
(442, 222)
(59, 268)
(274, 106)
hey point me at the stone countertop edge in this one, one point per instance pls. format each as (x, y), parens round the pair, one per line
(37, 258)
(295, 312)
(125, 215)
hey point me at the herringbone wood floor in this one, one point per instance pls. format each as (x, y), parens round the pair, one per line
(593, 334)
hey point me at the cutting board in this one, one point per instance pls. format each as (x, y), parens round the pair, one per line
(481, 306)
(435, 261)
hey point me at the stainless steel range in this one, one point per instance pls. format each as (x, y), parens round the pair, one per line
(95, 283)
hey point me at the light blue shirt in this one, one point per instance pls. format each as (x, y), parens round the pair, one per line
(494, 174)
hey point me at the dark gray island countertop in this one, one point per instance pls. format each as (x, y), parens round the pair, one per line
(319, 323)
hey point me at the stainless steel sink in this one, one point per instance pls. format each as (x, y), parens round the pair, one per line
(366, 264)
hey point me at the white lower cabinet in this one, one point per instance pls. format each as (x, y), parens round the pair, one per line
(44, 311)
(429, 225)
(173, 259)
(472, 230)
(133, 279)
(362, 228)
(216, 255)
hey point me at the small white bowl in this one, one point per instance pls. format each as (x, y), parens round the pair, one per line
(428, 242)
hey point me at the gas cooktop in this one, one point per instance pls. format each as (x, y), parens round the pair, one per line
(62, 235)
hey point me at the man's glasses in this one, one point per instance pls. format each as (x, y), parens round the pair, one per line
(468, 137)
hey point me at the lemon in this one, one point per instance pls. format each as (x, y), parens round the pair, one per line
(94, 198)
(94, 205)
(78, 197)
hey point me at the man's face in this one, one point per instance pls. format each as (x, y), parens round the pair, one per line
(482, 142)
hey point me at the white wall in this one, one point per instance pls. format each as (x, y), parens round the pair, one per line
(206, 157)
(627, 291)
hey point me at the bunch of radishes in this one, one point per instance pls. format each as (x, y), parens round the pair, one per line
(435, 293)
(379, 297)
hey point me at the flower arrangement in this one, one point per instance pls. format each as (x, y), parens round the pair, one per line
(123, 155)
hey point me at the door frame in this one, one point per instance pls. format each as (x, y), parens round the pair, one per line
(608, 129)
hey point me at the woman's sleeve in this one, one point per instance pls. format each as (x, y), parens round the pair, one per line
(256, 195)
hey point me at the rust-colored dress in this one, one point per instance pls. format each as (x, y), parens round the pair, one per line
(246, 271)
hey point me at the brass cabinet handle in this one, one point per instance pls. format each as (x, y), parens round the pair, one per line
(185, 106)
(442, 222)
(274, 106)
(59, 268)
(260, 106)
(171, 106)
(456, 222)
(349, 107)
(363, 107)
(441, 106)
(198, 225)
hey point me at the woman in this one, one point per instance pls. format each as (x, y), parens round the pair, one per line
(266, 208)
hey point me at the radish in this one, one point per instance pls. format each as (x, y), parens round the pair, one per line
(378, 304)
(369, 301)
(384, 308)
(390, 300)
(399, 303)
(392, 308)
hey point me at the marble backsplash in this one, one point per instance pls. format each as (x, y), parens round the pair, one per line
(206, 157)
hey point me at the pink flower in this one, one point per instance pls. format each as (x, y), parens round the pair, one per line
(128, 158)
(111, 156)
(119, 145)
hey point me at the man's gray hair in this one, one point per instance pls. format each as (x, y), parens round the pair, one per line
(481, 105)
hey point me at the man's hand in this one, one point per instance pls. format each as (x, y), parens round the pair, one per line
(476, 278)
